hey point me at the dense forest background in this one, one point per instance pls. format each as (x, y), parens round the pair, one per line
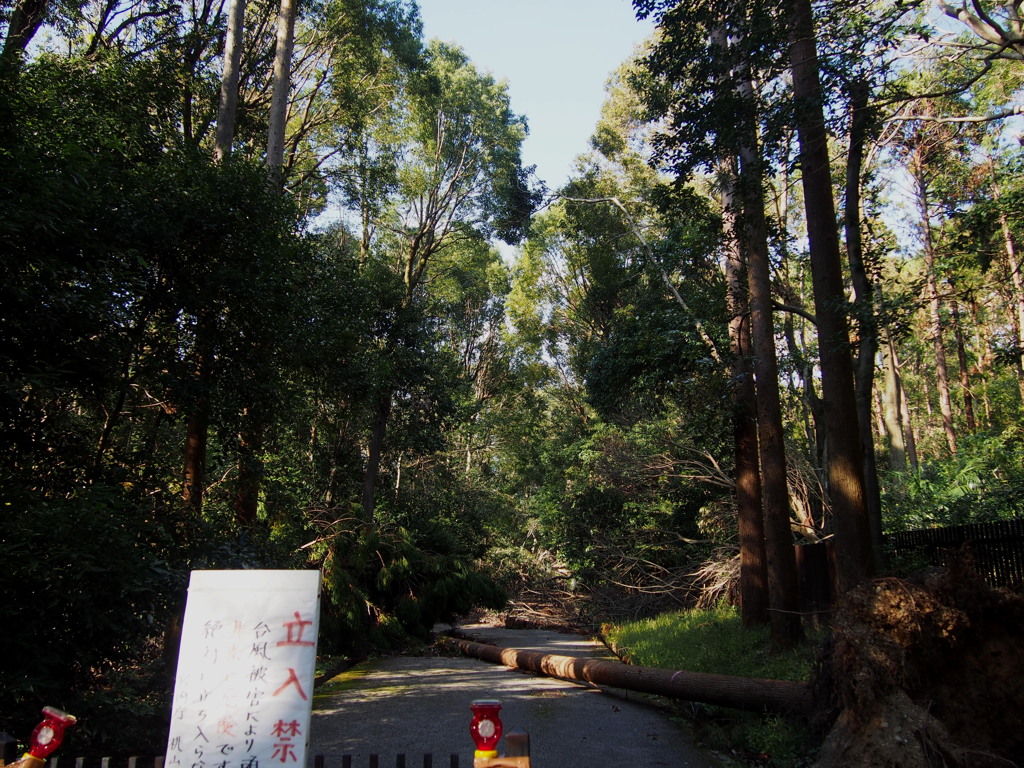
(253, 313)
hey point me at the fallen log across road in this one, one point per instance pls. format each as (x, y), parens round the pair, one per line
(723, 690)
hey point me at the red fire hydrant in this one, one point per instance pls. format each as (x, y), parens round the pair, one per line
(46, 738)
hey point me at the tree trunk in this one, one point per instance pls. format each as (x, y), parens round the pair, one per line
(373, 454)
(229, 80)
(250, 467)
(25, 20)
(753, 567)
(282, 83)
(983, 368)
(893, 417)
(198, 428)
(854, 558)
(965, 376)
(908, 423)
(1017, 281)
(783, 586)
(865, 304)
(722, 690)
(934, 314)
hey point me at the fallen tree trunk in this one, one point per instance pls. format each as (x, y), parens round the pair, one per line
(723, 690)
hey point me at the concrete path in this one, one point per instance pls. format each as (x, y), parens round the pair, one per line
(418, 705)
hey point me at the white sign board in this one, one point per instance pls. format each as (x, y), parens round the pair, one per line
(244, 686)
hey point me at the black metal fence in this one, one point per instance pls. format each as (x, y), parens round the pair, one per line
(996, 548)
(319, 761)
(373, 761)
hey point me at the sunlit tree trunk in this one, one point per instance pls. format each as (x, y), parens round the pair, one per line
(229, 80)
(909, 429)
(1017, 315)
(282, 83)
(983, 368)
(892, 413)
(854, 558)
(961, 356)
(934, 309)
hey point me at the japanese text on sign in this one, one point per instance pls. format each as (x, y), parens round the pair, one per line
(242, 694)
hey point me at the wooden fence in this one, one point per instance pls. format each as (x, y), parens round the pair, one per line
(997, 548)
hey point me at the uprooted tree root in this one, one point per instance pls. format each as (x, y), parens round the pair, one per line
(926, 673)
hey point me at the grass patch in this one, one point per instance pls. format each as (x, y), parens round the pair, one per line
(715, 641)
(708, 641)
(345, 681)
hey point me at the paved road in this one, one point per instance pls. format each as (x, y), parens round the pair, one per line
(418, 705)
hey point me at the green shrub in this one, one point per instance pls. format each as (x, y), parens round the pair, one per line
(984, 482)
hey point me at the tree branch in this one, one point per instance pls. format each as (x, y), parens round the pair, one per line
(795, 310)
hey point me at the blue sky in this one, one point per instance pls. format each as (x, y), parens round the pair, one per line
(556, 56)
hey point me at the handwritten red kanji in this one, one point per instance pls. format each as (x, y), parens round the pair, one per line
(284, 749)
(296, 627)
(224, 726)
(282, 729)
(292, 678)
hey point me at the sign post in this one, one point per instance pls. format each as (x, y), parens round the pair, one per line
(244, 685)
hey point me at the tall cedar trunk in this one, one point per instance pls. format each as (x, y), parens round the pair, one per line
(1018, 363)
(373, 454)
(908, 428)
(934, 310)
(961, 358)
(229, 80)
(892, 415)
(814, 413)
(854, 559)
(1010, 248)
(753, 565)
(867, 347)
(984, 365)
(783, 586)
(198, 428)
(282, 83)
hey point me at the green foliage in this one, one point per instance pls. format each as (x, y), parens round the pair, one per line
(384, 591)
(84, 579)
(984, 482)
(90, 583)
